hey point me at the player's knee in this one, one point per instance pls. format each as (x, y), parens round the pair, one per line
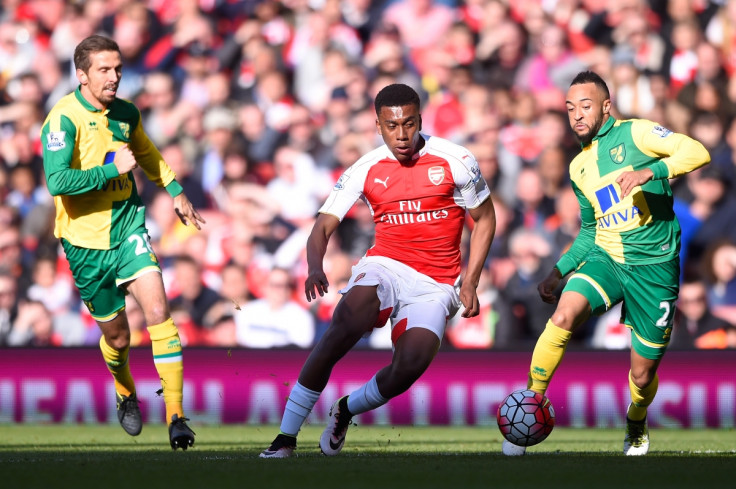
(642, 377)
(410, 365)
(118, 341)
(562, 318)
(405, 373)
(157, 313)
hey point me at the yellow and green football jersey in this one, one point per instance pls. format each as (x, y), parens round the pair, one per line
(641, 228)
(95, 206)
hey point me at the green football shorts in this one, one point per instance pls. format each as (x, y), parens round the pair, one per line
(99, 274)
(648, 292)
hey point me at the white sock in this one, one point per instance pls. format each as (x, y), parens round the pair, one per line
(298, 406)
(366, 398)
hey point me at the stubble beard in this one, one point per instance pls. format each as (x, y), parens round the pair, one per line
(587, 138)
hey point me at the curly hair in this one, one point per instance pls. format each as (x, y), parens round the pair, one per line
(396, 95)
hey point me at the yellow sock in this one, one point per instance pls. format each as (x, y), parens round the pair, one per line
(641, 398)
(547, 356)
(117, 364)
(168, 359)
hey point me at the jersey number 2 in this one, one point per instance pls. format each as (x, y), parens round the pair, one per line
(142, 244)
(662, 322)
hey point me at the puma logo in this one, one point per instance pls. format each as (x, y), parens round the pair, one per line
(382, 182)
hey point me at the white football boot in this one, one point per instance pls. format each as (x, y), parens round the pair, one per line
(333, 437)
(636, 441)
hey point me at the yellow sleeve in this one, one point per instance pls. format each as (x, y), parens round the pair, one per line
(678, 153)
(149, 158)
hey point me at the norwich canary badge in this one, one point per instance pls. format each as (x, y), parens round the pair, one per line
(618, 154)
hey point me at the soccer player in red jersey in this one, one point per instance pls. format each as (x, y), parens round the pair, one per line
(418, 189)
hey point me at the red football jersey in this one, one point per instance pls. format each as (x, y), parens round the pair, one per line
(418, 209)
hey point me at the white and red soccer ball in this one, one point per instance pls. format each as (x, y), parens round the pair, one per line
(525, 418)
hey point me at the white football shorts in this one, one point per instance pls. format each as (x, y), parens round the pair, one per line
(408, 298)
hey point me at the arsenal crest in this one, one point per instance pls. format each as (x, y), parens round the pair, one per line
(436, 174)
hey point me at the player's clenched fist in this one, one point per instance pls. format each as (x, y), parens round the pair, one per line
(546, 287)
(124, 160)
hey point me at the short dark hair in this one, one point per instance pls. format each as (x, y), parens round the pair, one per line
(396, 95)
(591, 77)
(92, 44)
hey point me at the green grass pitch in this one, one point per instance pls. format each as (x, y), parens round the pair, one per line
(375, 457)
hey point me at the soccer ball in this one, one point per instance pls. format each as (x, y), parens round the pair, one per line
(525, 418)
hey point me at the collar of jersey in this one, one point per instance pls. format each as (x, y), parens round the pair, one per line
(83, 101)
(605, 128)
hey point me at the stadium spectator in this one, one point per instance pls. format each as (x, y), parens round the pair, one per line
(275, 320)
(220, 125)
(491, 328)
(444, 115)
(532, 207)
(564, 225)
(519, 140)
(298, 185)
(411, 17)
(531, 256)
(500, 52)
(631, 89)
(708, 216)
(189, 293)
(694, 323)
(33, 326)
(553, 172)
(708, 128)
(54, 291)
(176, 156)
(234, 286)
(719, 264)
(260, 138)
(13, 257)
(223, 332)
(166, 232)
(686, 36)
(302, 135)
(636, 40)
(710, 78)
(548, 72)
(385, 55)
(162, 109)
(720, 32)
(8, 305)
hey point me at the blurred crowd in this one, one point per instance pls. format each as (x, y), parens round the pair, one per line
(258, 106)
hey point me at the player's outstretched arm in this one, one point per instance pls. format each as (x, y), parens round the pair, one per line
(316, 282)
(186, 211)
(481, 238)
